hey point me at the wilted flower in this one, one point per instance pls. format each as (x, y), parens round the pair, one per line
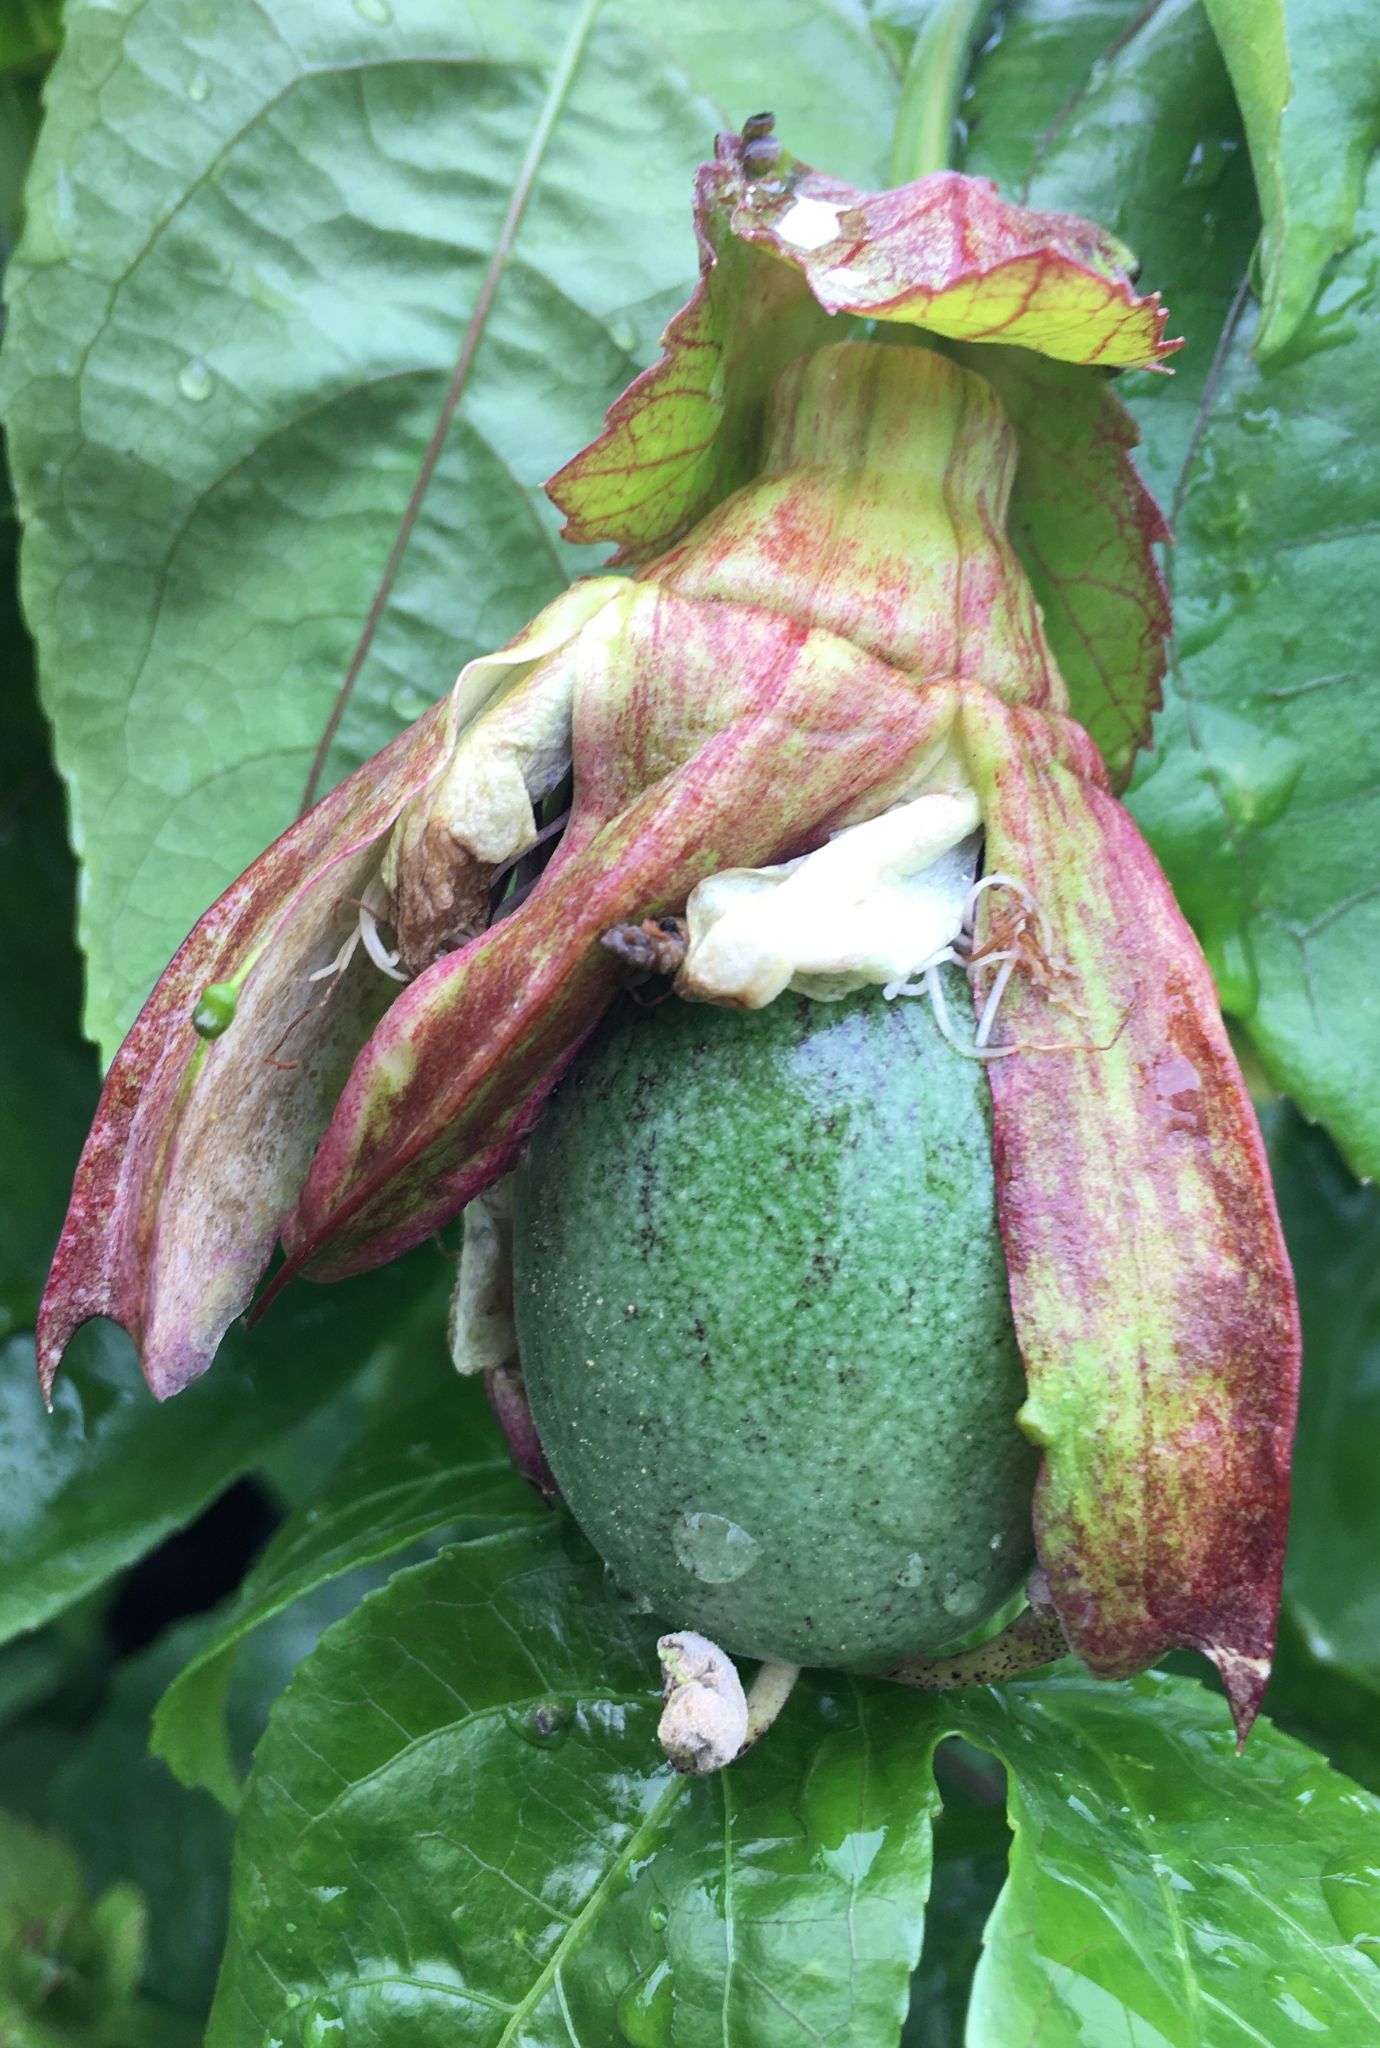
(889, 589)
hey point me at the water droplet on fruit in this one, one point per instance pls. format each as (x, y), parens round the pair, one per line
(996, 1542)
(195, 381)
(912, 1572)
(1352, 1892)
(713, 1548)
(958, 1594)
(644, 2010)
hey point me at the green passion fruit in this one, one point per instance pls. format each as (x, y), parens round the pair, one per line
(763, 1316)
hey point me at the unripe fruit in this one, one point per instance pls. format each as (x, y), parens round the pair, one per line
(762, 1311)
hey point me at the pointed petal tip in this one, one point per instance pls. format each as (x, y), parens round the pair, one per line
(1245, 1679)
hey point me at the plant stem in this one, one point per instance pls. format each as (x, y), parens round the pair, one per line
(933, 85)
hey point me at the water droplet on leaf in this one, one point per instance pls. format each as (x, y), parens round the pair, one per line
(545, 1723)
(195, 381)
(377, 11)
(198, 87)
(1352, 1892)
(912, 1572)
(644, 2010)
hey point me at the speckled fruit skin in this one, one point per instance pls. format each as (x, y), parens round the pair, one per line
(762, 1311)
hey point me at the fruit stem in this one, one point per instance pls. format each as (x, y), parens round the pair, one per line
(767, 1695)
(1035, 1637)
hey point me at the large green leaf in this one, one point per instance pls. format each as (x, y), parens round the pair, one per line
(1333, 1228)
(222, 385)
(459, 1823)
(458, 1816)
(1126, 113)
(436, 1466)
(1265, 775)
(47, 1076)
(1267, 789)
(110, 1473)
(1166, 1893)
(1307, 73)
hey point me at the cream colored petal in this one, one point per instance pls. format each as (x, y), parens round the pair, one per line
(483, 1335)
(868, 908)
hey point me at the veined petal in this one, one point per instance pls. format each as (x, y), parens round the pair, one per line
(879, 513)
(1149, 1280)
(707, 736)
(949, 253)
(783, 249)
(200, 1144)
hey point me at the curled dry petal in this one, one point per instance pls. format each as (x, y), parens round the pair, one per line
(1149, 1280)
(199, 1145)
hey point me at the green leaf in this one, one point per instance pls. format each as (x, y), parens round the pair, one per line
(221, 389)
(110, 1473)
(69, 1967)
(1268, 782)
(435, 1467)
(47, 1075)
(459, 1820)
(30, 32)
(1307, 74)
(1126, 113)
(131, 1822)
(1333, 1231)
(1263, 779)
(1164, 1892)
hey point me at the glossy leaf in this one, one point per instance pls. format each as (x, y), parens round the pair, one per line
(1126, 113)
(221, 389)
(435, 1467)
(1268, 785)
(1263, 780)
(1307, 73)
(76, 1500)
(1164, 1892)
(1151, 1293)
(459, 1816)
(1333, 1228)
